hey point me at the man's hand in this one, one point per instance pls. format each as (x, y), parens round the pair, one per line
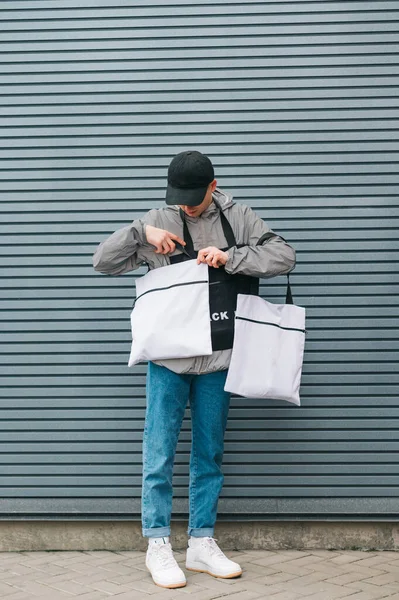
(212, 256)
(162, 239)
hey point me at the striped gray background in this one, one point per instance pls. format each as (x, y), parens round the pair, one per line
(297, 105)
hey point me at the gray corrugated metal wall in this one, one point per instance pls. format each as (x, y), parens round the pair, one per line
(297, 104)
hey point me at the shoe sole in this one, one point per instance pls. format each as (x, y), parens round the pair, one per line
(172, 585)
(237, 574)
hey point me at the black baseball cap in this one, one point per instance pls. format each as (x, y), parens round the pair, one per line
(189, 175)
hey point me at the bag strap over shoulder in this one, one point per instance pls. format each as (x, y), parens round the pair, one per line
(227, 230)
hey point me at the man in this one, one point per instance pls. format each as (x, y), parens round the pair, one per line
(198, 212)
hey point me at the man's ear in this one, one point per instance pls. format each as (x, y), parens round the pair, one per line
(214, 185)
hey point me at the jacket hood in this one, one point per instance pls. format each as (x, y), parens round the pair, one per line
(222, 199)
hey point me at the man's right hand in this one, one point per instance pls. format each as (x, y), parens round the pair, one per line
(162, 239)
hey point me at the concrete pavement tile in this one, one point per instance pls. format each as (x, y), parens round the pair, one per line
(394, 562)
(42, 560)
(38, 553)
(191, 589)
(7, 558)
(148, 587)
(272, 560)
(17, 569)
(72, 587)
(7, 588)
(129, 553)
(128, 579)
(355, 596)
(306, 560)
(163, 593)
(49, 569)
(244, 595)
(107, 586)
(345, 578)
(387, 578)
(365, 571)
(324, 553)
(329, 590)
(370, 588)
(204, 578)
(295, 553)
(43, 591)
(109, 560)
(55, 579)
(276, 578)
(98, 553)
(258, 570)
(308, 579)
(66, 562)
(221, 585)
(263, 553)
(16, 580)
(88, 579)
(328, 568)
(116, 568)
(360, 553)
(294, 570)
(93, 596)
(286, 595)
(254, 586)
(85, 568)
(389, 568)
(201, 594)
(240, 556)
(372, 561)
(345, 558)
(145, 584)
(135, 561)
(17, 596)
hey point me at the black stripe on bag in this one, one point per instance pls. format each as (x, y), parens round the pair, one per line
(170, 287)
(274, 324)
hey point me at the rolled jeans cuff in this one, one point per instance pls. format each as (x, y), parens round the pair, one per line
(156, 531)
(201, 531)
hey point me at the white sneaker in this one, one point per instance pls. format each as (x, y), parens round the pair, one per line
(162, 564)
(205, 556)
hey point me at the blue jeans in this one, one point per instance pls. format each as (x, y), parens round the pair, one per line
(167, 397)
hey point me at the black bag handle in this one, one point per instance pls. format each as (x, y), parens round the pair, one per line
(267, 236)
(231, 241)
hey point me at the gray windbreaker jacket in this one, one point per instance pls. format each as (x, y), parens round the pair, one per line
(127, 249)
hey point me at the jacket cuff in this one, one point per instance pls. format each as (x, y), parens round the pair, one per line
(139, 232)
(229, 266)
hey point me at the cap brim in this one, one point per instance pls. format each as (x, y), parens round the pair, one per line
(184, 196)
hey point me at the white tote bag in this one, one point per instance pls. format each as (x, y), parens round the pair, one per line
(267, 355)
(171, 316)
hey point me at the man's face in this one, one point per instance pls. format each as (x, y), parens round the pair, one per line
(196, 211)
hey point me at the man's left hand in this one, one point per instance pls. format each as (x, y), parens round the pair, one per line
(212, 256)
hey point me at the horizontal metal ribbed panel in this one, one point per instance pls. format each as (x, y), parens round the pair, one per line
(297, 105)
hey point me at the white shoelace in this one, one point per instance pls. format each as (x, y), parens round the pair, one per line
(164, 555)
(213, 547)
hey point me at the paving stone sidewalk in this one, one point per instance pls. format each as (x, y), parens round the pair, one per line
(278, 575)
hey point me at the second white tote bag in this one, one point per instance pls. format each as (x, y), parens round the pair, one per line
(171, 316)
(268, 349)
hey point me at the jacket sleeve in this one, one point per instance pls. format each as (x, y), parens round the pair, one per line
(273, 257)
(126, 249)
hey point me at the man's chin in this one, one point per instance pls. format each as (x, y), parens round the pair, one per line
(192, 213)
